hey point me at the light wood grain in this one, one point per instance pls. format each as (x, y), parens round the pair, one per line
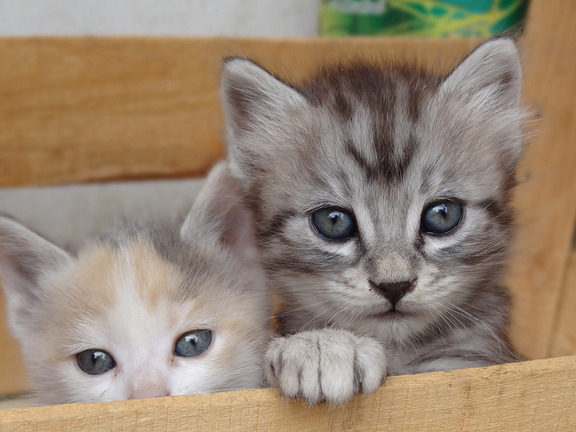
(12, 373)
(564, 334)
(546, 198)
(99, 109)
(529, 396)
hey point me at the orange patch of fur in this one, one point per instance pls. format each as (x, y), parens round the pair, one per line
(90, 286)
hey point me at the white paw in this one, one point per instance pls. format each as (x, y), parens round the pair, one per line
(325, 365)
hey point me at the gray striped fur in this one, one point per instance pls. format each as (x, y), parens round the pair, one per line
(382, 141)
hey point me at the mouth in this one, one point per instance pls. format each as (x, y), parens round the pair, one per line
(391, 314)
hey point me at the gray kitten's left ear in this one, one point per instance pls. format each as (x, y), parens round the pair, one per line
(260, 111)
(219, 214)
(254, 99)
(491, 76)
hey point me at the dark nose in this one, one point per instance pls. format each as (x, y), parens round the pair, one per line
(393, 291)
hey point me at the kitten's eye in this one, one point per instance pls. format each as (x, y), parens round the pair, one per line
(193, 343)
(334, 223)
(95, 362)
(441, 217)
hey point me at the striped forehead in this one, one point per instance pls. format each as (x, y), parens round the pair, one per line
(374, 125)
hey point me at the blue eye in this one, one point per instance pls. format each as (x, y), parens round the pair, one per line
(95, 361)
(441, 217)
(334, 223)
(193, 343)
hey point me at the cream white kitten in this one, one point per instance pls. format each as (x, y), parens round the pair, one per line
(143, 311)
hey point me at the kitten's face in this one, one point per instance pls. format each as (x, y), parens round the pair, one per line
(154, 330)
(380, 194)
(144, 311)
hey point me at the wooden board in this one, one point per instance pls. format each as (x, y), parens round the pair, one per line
(564, 335)
(530, 396)
(12, 372)
(546, 198)
(98, 109)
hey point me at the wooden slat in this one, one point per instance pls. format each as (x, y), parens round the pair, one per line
(564, 334)
(546, 199)
(98, 109)
(12, 373)
(530, 396)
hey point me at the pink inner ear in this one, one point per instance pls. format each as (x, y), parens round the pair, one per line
(240, 239)
(219, 213)
(239, 234)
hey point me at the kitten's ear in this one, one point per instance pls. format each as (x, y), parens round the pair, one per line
(491, 76)
(24, 258)
(252, 97)
(219, 213)
(258, 108)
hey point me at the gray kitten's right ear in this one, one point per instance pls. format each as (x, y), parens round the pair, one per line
(257, 108)
(491, 75)
(24, 258)
(488, 83)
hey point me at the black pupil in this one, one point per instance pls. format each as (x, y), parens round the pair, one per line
(95, 362)
(333, 223)
(441, 217)
(193, 343)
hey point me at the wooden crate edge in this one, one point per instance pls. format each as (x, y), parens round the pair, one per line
(533, 395)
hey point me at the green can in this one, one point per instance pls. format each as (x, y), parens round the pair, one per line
(468, 18)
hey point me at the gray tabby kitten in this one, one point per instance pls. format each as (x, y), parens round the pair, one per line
(381, 203)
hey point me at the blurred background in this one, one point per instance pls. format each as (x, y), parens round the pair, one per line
(160, 17)
(260, 18)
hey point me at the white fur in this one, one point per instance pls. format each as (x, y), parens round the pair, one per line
(325, 364)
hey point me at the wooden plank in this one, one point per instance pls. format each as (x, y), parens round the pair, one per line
(546, 199)
(12, 373)
(564, 335)
(98, 109)
(529, 396)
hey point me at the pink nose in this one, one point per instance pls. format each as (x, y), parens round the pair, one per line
(149, 391)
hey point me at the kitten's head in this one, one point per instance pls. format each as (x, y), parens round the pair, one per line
(143, 311)
(380, 193)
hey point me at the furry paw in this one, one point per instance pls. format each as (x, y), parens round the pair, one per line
(325, 365)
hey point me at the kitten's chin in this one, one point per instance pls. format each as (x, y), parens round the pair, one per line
(392, 315)
(398, 325)
(387, 312)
